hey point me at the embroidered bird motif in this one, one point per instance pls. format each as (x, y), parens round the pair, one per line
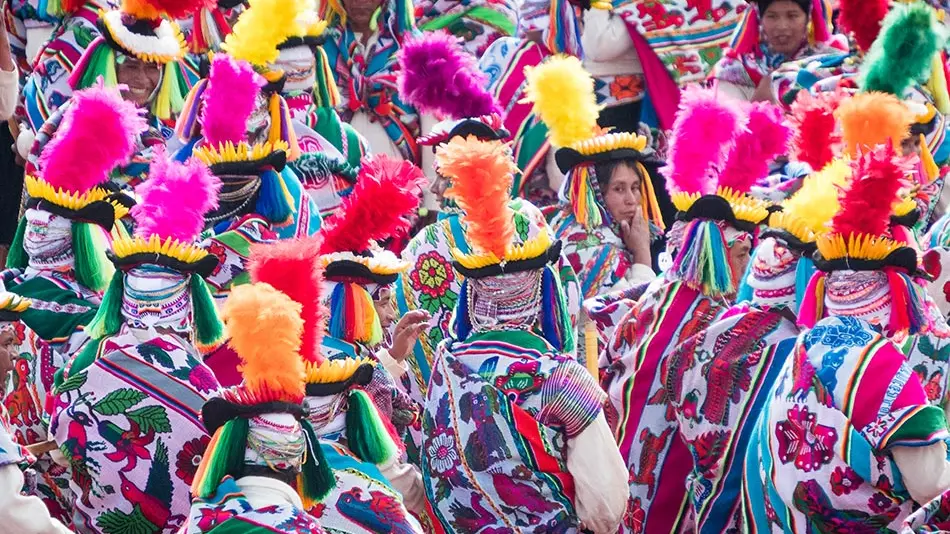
(380, 513)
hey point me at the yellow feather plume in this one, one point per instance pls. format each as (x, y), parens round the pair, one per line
(817, 200)
(265, 329)
(260, 29)
(563, 96)
(871, 119)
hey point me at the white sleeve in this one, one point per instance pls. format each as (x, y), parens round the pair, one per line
(639, 273)
(406, 479)
(20, 513)
(735, 91)
(605, 37)
(9, 93)
(924, 470)
(600, 477)
(393, 367)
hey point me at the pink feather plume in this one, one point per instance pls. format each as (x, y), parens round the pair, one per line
(175, 198)
(816, 139)
(386, 192)
(229, 100)
(704, 131)
(766, 136)
(438, 76)
(866, 205)
(98, 132)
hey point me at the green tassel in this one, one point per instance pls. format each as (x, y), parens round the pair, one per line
(93, 268)
(108, 318)
(17, 257)
(209, 329)
(316, 475)
(102, 63)
(366, 434)
(227, 457)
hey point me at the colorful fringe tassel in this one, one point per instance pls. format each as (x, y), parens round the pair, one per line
(224, 456)
(702, 261)
(353, 317)
(367, 433)
(812, 307)
(907, 308)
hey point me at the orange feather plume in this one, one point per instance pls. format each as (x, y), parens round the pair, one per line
(265, 329)
(481, 173)
(871, 119)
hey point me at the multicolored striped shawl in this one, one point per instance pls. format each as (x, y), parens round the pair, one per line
(130, 426)
(500, 409)
(597, 255)
(667, 315)
(229, 512)
(717, 382)
(931, 517)
(477, 24)
(818, 458)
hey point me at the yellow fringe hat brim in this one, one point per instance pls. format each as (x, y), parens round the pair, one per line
(169, 247)
(529, 250)
(859, 247)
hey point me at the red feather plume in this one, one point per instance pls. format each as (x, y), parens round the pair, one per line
(386, 191)
(292, 267)
(863, 18)
(867, 203)
(816, 140)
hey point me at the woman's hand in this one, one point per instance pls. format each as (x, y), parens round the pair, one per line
(636, 238)
(407, 332)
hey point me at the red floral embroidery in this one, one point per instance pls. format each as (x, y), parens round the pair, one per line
(186, 464)
(432, 275)
(802, 440)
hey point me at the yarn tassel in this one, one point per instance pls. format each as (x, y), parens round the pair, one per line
(937, 84)
(588, 212)
(812, 307)
(337, 326)
(209, 330)
(366, 433)
(745, 293)
(906, 308)
(555, 324)
(702, 262)
(651, 207)
(224, 456)
(803, 275)
(108, 318)
(353, 317)
(272, 201)
(316, 478)
(93, 268)
(461, 320)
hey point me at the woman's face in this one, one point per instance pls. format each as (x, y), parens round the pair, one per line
(140, 77)
(785, 26)
(361, 11)
(623, 197)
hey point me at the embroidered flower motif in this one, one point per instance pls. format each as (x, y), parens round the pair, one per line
(216, 249)
(442, 455)
(879, 503)
(186, 464)
(130, 445)
(844, 481)
(432, 275)
(627, 87)
(802, 440)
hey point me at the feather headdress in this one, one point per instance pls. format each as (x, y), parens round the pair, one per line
(563, 96)
(807, 213)
(863, 19)
(265, 329)
(816, 139)
(386, 192)
(766, 136)
(438, 76)
(292, 267)
(904, 52)
(261, 29)
(229, 99)
(871, 119)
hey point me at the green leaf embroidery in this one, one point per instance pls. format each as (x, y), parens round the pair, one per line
(428, 303)
(118, 401)
(522, 226)
(449, 299)
(72, 383)
(156, 355)
(151, 418)
(116, 521)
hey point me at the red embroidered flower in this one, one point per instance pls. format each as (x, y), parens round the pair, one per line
(186, 464)
(879, 503)
(432, 275)
(130, 445)
(212, 517)
(627, 87)
(216, 249)
(634, 516)
(844, 481)
(802, 440)
(19, 332)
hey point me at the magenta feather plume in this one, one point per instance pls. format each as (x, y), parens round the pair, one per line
(386, 192)
(705, 129)
(98, 132)
(229, 100)
(438, 76)
(175, 198)
(766, 136)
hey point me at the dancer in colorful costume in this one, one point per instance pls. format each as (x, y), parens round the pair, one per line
(126, 412)
(262, 444)
(142, 48)
(515, 431)
(266, 124)
(58, 261)
(719, 151)
(331, 150)
(362, 43)
(609, 212)
(18, 512)
(771, 33)
(357, 270)
(439, 78)
(371, 483)
(876, 436)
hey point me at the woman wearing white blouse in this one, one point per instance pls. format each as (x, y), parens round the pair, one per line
(9, 89)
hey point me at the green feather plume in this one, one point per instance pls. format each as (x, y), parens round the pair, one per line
(903, 52)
